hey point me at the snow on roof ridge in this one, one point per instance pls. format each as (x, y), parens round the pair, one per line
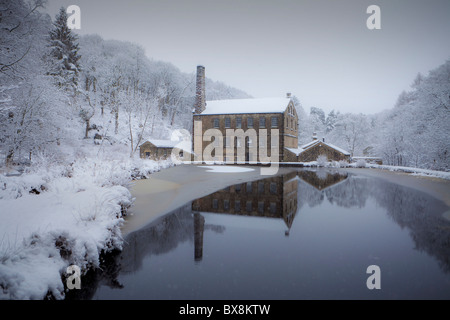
(163, 142)
(295, 151)
(310, 144)
(160, 143)
(247, 105)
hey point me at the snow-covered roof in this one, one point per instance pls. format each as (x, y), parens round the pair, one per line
(163, 143)
(183, 145)
(314, 142)
(239, 106)
(295, 151)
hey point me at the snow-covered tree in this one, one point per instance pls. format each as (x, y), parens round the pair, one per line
(350, 132)
(20, 30)
(65, 66)
(416, 132)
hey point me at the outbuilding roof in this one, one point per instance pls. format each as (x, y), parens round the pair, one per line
(315, 142)
(183, 145)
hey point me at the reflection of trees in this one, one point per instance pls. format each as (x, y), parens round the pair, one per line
(309, 195)
(353, 192)
(421, 214)
(411, 209)
(339, 188)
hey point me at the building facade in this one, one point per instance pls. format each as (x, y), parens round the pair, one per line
(243, 130)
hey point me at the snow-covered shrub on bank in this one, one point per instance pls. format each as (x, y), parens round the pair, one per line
(322, 160)
(361, 163)
(73, 215)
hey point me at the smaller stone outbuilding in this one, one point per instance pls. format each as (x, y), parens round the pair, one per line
(311, 151)
(162, 149)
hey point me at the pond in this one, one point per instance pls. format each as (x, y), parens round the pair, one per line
(304, 234)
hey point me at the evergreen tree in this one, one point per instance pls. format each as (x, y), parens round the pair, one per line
(64, 51)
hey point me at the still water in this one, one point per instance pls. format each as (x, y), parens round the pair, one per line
(307, 234)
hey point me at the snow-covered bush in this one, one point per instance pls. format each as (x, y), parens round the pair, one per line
(322, 160)
(343, 164)
(361, 163)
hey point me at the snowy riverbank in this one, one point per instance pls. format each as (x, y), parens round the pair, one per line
(363, 164)
(53, 216)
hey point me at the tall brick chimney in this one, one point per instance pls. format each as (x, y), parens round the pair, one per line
(200, 99)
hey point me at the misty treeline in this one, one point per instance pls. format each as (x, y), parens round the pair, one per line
(414, 133)
(57, 89)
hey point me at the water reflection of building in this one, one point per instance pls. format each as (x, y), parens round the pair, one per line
(322, 179)
(274, 197)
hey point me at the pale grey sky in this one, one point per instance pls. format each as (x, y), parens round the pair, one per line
(320, 50)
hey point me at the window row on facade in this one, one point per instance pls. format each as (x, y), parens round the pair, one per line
(261, 187)
(249, 121)
(238, 206)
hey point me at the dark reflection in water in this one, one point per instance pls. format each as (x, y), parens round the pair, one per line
(302, 235)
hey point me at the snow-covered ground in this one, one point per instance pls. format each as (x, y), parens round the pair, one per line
(53, 216)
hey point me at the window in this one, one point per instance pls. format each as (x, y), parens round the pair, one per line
(239, 123)
(273, 208)
(249, 187)
(273, 188)
(226, 205)
(287, 122)
(249, 142)
(274, 122)
(248, 206)
(147, 154)
(262, 122)
(227, 122)
(250, 122)
(215, 204)
(260, 187)
(237, 206)
(237, 188)
(261, 207)
(216, 122)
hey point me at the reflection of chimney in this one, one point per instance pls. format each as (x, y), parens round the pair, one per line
(199, 223)
(200, 100)
(314, 136)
